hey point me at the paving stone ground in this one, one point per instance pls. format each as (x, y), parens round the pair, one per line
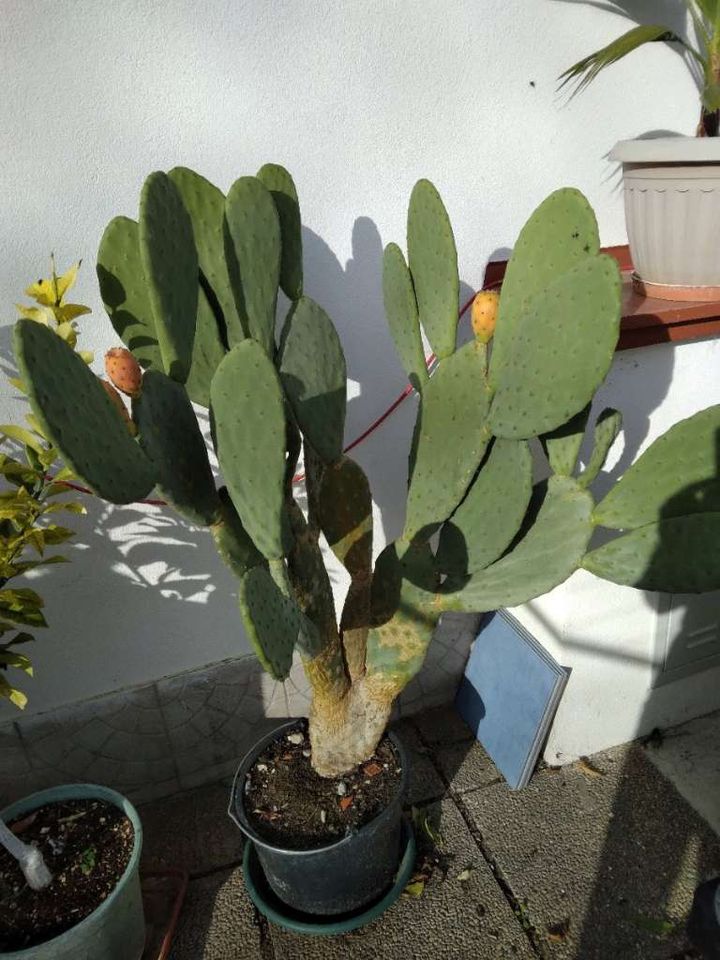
(594, 861)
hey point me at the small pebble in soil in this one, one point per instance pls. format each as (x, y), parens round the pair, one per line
(296, 738)
(323, 816)
(341, 789)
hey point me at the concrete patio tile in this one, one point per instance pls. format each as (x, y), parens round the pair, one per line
(191, 831)
(689, 756)
(217, 922)
(452, 920)
(604, 859)
(465, 766)
(425, 783)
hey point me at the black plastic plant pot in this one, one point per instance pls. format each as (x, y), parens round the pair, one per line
(342, 877)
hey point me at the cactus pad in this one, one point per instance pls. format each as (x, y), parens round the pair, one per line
(396, 647)
(76, 413)
(550, 551)
(232, 540)
(205, 204)
(454, 406)
(249, 416)
(607, 427)
(678, 555)
(254, 228)
(402, 315)
(271, 619)
(171, 438)
(117, 402)
(208, 351)
(281, 186)
(562, 445)
(125, 293)
(677, 475)
(312, 370)
(170, 263)
(559, 235)
(345, 513)
(432, 259)
(486, 521)
(559, 351)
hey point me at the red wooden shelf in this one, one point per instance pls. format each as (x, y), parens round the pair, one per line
(646, 320)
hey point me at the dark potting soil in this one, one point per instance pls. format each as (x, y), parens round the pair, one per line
(87, 845)
(288, 804)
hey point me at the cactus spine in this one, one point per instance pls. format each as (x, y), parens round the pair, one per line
(192, 290)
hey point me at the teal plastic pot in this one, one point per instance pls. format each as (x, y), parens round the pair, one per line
(116, 929)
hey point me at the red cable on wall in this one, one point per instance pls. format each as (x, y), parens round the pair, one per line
(429, 360)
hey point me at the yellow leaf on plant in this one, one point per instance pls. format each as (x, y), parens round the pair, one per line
(22, 435)
(35, 424)
(38, 314)
(68, 333)
(10, 693)
(18, 698)
(42, 292)
(70, 311)
(66, 281)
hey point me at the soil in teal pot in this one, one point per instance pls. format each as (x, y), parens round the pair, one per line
(87, 844)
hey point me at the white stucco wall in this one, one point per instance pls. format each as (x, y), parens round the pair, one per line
(358, 98)
(604, 633)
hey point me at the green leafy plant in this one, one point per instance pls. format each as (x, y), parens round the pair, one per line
(192, 290)
(88, 860)
(29, 499)
(705, 51)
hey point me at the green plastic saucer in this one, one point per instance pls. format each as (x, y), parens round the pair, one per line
(270, 905)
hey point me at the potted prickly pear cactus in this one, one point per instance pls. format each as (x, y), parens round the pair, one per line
(192, 290)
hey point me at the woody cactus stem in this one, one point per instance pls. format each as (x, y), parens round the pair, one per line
(192, 291)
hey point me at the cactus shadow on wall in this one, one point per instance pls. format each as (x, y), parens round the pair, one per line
(638, 383)
(352, 295)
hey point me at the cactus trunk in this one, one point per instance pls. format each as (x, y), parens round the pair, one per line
(345, 731)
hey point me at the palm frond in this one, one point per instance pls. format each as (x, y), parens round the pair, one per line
(698, 10)
(585, 70)
(708, 8)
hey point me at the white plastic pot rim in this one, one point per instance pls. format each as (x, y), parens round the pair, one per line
(668, 150)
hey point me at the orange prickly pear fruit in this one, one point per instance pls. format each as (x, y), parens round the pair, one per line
(117, 402)
(483, 314)
(124, 371)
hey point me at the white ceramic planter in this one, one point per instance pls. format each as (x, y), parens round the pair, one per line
(672, 209)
